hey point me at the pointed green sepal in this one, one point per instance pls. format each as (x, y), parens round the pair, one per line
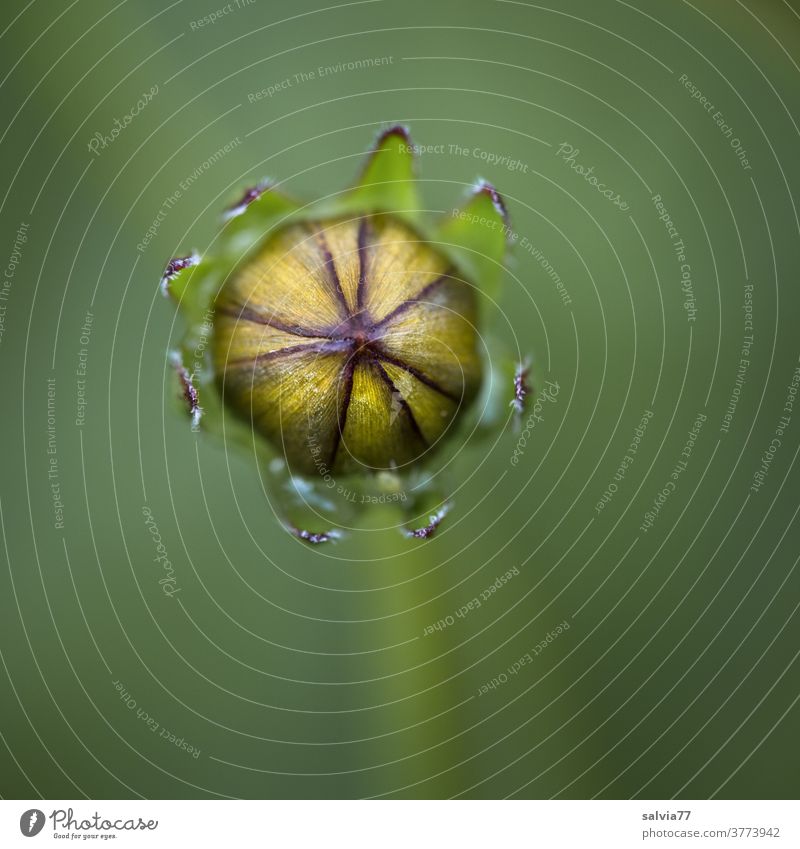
(477, 235)
(261, 210)
(388, 182)
(193, 282)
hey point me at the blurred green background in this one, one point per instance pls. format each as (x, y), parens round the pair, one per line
(307, 672)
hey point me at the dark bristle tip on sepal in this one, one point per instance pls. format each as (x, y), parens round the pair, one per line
(174, 268)
(426, 532)
(522, 387)
(189, 391)
(486, 188)
(311, 537)
(250, 195)
(395, 130)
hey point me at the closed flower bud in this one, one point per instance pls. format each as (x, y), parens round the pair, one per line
(342, 336)
(348, 343)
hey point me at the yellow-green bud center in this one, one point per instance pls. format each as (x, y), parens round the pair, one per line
(350, 344)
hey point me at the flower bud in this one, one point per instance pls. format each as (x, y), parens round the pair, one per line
(349, 343)
(344, 338)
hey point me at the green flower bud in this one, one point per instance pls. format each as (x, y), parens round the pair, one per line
(348, 343)
(336, 331)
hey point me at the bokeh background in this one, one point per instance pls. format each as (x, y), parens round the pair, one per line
(281, 670)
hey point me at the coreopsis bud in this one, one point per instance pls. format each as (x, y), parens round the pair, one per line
(337, 332)
(349, 342)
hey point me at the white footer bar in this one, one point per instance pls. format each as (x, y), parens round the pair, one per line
(402, 824)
